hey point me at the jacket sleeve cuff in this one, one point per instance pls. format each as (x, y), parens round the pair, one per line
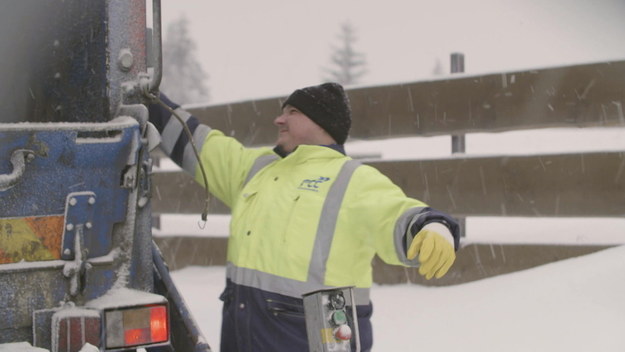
(429, 215)
(159, 115)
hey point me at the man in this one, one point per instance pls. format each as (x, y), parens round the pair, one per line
(304, 217)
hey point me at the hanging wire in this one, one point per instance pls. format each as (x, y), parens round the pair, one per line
(156, 98)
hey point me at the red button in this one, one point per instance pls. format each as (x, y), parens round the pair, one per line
(343, 332)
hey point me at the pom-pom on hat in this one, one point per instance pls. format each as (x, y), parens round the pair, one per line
(327, 105)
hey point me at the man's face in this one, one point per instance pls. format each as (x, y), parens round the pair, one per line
(295, 128)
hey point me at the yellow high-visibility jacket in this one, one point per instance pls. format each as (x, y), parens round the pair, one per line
(311, 220)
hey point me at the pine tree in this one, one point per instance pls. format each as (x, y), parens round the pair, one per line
(184, 80)
(438, 68)
(347, 62)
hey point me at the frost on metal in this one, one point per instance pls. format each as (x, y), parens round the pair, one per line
(117, 123)
(123, 297)
(18, 160)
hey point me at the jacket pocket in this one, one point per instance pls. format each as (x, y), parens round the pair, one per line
(285, 309)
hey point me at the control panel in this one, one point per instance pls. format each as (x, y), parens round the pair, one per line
(331, 320)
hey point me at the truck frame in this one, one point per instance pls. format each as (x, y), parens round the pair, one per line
(78, 268)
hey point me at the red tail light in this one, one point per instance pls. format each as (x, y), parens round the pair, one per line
(158, 323)
(136, 337)
(137, 326)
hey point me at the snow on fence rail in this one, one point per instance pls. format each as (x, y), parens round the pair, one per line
(586, 184)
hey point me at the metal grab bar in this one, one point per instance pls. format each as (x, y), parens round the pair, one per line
(19, 158)
(149, 85)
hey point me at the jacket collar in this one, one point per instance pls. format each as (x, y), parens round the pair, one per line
(337, 147)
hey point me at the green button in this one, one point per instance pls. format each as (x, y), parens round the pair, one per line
(339, 317)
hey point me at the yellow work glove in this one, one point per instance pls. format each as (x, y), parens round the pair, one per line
(435, 246)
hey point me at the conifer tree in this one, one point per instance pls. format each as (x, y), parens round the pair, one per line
(184, 80)
(438, 68)
(348, 65)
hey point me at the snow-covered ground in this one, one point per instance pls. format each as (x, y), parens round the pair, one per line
(572, 305)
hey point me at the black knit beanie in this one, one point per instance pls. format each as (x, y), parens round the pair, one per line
(327, 105)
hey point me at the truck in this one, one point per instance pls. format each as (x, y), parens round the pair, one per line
(78, 268)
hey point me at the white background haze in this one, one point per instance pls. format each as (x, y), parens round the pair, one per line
(253, 49)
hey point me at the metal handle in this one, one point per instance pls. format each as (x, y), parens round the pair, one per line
(18, 160)
(149, 85)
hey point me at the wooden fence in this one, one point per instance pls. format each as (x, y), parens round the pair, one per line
(590, 184)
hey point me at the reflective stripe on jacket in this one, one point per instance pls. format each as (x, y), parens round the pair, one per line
(313, 219)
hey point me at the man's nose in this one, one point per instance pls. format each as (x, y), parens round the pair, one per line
(279, 120)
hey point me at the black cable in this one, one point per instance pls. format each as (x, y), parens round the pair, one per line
(197, 155)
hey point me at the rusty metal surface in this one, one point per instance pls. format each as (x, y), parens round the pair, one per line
(588, 185)
(30, 238)
(575, 96)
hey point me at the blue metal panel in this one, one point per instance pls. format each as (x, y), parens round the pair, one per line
(69, 161)
(80, 212)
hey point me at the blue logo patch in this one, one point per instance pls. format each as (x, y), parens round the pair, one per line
(313, 185)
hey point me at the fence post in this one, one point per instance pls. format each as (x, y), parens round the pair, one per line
(458, 141)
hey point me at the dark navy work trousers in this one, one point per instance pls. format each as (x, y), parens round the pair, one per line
(254, 320)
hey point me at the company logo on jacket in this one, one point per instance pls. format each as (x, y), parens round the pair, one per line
(313, 185)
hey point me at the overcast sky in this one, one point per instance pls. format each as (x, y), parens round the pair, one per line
(256, 49)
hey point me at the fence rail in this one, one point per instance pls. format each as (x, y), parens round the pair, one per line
(563, 185)
(572, 96)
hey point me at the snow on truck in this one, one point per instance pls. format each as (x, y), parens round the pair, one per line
(78, 267)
